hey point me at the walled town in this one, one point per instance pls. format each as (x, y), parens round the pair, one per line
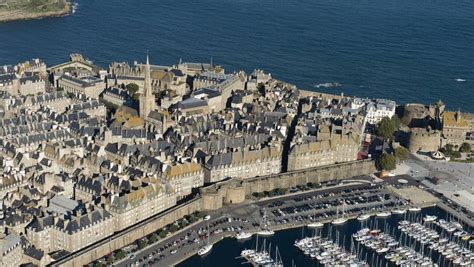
(94, 160)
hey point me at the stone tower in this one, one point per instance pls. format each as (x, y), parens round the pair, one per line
(147, 99)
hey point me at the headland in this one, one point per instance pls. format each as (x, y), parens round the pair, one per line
(12, 10)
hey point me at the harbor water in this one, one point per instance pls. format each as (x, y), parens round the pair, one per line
(405, 50)
(227, 252)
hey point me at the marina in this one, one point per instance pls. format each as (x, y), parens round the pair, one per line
(307, 231)
(326, 252)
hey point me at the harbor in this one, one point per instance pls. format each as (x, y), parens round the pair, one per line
(332, 214)
(342, 237)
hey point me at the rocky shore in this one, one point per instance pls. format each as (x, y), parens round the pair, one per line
(9, 15)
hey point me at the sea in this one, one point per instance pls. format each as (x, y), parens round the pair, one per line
(405, 50)
(227, 252)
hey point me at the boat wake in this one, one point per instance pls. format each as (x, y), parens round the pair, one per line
(328, 85)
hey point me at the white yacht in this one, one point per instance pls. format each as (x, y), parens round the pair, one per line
(207, 248)
(204, 250)
(243, 235)
(414, 209)
(430, 218)
(266, 232)
(339, 221)
(315, 225)
(399, 211)
(364, 217)
(343, 219)
(384, 214)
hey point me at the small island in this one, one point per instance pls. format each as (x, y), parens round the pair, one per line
(11, 10)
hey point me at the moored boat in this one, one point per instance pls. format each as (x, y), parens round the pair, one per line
(243, 235)
(399, 211)
(204, 250)
(339, 221)
(315, 225)
(364, 217)
(429, 218)
(384, 214)
(414, 209)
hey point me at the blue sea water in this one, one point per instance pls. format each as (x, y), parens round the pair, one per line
(406, 50)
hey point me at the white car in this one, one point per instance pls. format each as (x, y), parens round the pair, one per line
(207, 217)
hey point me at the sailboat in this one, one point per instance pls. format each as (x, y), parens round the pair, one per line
(264, 230)
(315, 224)
(343, 219)
(207, 248)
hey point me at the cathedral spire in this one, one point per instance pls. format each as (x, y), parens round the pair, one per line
(147, 99)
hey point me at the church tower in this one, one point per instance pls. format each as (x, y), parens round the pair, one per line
(147, 99)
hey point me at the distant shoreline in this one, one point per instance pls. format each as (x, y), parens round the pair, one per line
(25, 15)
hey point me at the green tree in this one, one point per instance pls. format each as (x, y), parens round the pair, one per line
(132, 88)
(387, 162)
(110, 260)
(142, 243)
(401, 153)
(173, 228)
(282, 191)
(120, 254)
(455, 154)
(200, 214)
(163, 233)
(154, 237)
(449, 148)
(465, 147)
(387, 127)
(192, 219)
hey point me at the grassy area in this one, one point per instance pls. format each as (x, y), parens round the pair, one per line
(26, 9)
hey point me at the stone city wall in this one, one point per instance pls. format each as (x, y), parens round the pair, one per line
(234, 191)
(128, 236)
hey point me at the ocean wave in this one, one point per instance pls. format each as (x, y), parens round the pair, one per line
(74, 7)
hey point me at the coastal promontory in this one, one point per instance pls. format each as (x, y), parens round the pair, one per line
(11, 10)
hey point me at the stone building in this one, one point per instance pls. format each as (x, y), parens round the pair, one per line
(10, 249)
(184, 177)
(141, 202)
(90, 86)
(70, 232)
(424, 139)
(376, 109)
(9, 84)
(243, 164)
(458, 128)
(32, 85)
(116, 96)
